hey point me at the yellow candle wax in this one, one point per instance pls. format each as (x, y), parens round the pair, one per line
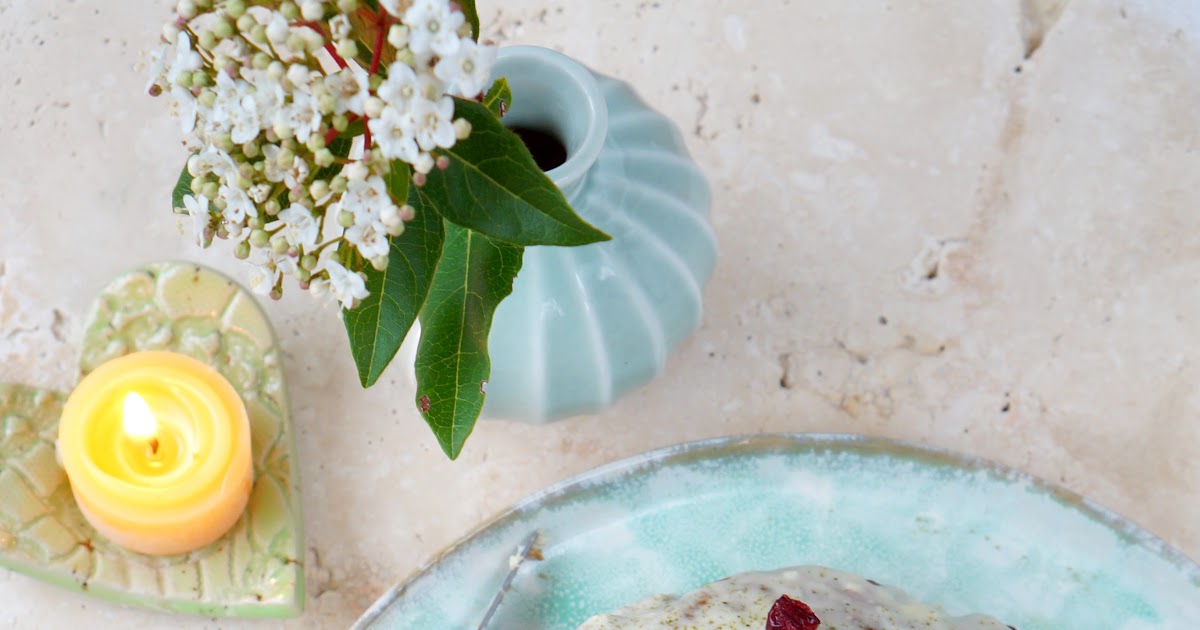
(157, 449)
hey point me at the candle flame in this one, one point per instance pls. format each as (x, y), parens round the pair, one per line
(139, 422)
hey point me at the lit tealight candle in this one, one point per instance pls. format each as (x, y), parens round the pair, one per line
(157, 448)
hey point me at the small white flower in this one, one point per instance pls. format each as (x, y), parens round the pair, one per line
(366, 199)
(401, 86)
(265, 274)
(339, 27)
(296, 176)
(197, 209)
(259, 192)
(348, 287)
(185, 107)
(431, 123)
(216, 161)
(158, 65)
(349, 89)
(390, 133)
(299, 227)
(186, 59)
(299, 76)
(244, 124)
(370, 239)
(467, 73)
(271, 169)
(268, 94)
(356, 171)
(433, 27)
(237, 204)
(301, 116)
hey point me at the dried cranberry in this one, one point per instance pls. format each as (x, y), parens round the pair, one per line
(791, 614)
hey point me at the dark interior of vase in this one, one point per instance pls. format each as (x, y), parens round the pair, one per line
(548, 150)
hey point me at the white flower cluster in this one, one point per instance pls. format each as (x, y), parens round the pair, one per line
(265, 87)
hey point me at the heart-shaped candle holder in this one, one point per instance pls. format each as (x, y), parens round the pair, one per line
(254, 570)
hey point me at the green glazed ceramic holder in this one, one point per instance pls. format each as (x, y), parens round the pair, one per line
(254, 570)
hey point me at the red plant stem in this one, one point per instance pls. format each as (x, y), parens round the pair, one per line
(380, 36)
(336, 57)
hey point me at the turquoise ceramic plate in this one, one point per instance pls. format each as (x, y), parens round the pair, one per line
(950, 529)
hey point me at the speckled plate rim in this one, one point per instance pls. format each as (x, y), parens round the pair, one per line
(714, 448)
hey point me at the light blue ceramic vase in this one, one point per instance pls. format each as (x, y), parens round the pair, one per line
(585, 325)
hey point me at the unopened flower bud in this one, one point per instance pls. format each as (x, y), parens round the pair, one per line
(345, 218)
(256, 222)
(197, 185)
(245, 171)
(289, 11)
(347, 6)
(283, 130)
(423, 164)
(285, 157)
(312, 10)
(220, 204)
(224, 142)
(374, 81)
(271, 207)
(318, 189)
(407, 213)
(340, 122)
(295, 41)
(356, 171)
(316, 142)
(279, 244)
(207, 40)
(276, 292)
(303, 275)
(222, 29)
(170, 32)
(347, 48)
(418, 179)
(242, 250)
(379, 263)
(186, 9)
(373, 107)
(326, 103)
(250, 149)
(323, 158)
(312, 40)
(295, 195)
(207, 97)
(462, 129)
(184, 79)
(259, 34)
(398, 36)
(338, 184)
(442, 163)
(222, 231)
(275, 69)
(200, 78)
(395, 230)
(261, 61)
(210, 190)
(298, 75)
(236, 10)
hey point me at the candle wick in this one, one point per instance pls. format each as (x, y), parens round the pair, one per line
(154, 446)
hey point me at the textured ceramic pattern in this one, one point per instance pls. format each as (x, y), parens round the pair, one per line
(585, 325)
(952, 530)
(254, 570)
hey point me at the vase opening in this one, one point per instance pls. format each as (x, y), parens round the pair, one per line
(545, 146)
(557, 110)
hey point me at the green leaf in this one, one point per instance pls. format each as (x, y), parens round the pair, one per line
(474, 274)
(493, 186)
(379, 324)
(183, 188)
(468, 9)
(499, 97)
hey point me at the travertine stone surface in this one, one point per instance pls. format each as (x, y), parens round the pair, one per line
(966, 224)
